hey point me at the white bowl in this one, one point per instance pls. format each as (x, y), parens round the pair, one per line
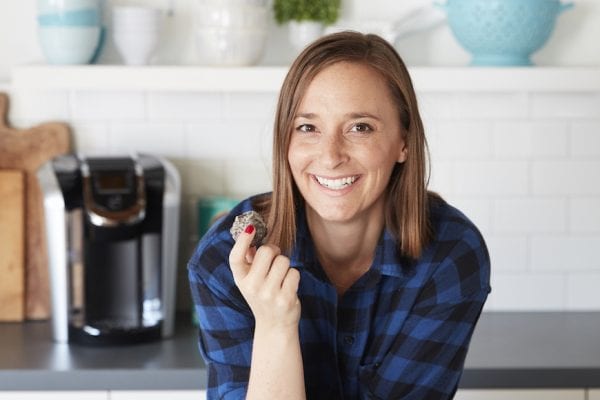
(69, 44)
(136, 15)
(230, 47)
(231, 14)
(136, 48)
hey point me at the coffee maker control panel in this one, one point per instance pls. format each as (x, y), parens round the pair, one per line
(113, 191)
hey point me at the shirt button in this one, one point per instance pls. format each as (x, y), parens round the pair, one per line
(349, 340)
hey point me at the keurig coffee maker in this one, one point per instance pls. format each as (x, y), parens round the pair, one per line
(112, 227)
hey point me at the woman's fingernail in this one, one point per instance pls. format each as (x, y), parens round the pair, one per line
(249, 229)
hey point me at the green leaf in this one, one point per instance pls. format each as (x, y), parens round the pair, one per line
(325, 11)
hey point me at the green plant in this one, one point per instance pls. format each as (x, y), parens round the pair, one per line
(325, 11)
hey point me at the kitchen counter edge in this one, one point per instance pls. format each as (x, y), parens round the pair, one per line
(508, 350)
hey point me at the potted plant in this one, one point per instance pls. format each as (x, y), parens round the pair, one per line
(306, 19)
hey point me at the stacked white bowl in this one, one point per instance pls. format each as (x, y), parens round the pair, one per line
(136, 32)
(231, 32)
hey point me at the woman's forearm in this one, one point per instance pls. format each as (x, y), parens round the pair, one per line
(276, 371)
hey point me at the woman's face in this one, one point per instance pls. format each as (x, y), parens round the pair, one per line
(345, 141)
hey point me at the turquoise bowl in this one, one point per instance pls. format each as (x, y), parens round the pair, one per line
(70, 31)
(502, 32)
(83, 17)
(69, 45)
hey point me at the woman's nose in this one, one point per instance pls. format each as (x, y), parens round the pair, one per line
(333, 151)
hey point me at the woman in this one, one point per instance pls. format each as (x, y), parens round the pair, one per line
(368, 285)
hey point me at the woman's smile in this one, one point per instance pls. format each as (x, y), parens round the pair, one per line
(336, 183)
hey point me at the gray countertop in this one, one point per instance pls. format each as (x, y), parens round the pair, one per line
(508, 350)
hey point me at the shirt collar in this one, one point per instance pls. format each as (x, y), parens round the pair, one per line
(387, 260)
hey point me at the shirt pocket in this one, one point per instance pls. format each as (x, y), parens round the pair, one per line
(367, 381)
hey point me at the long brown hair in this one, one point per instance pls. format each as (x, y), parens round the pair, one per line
(407, 197)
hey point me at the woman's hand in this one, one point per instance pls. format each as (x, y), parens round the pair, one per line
(266, 281)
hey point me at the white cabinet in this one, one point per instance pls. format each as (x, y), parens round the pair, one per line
(522, 394)
(157, 395)
(593, 394)
(105, 395)
(54, 395)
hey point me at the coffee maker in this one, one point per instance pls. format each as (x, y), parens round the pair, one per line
(112, 232)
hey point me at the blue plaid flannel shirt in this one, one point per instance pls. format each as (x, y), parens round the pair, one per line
(401, 332)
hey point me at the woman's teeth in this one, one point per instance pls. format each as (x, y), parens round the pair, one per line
(336, 184)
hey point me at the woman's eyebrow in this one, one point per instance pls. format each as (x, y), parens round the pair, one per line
(306, 115)
(362, 115)
(352, 115)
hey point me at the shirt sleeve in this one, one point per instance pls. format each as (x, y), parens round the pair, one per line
(427, 356)
(225, 320)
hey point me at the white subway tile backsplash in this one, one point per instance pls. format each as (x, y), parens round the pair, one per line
(585, 139)
(184, 106)
(451, 140)
(107, 105)
(528, 215)
(244, 178)
(259, 106)
(90, 138)
(582, 291)
(233, 139)
(584, 215)
(565, 105)
(508, 253)
(203, 178)
(37, 107)
(526, 139)
(490, 178)
(569, 253)
(161, 139)
(441, 177)
(437, 105)
(477, 209)
(528, 291)
(524, 167)
(566, 177)
(188, 213)
(492, 105)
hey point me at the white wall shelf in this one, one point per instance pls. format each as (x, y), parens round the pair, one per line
(269, 78)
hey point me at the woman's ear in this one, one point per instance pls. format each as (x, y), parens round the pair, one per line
(403, 153)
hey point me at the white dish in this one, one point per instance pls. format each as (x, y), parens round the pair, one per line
(230, 47)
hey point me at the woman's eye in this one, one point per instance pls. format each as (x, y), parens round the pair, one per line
(306, 128)
(362, 128)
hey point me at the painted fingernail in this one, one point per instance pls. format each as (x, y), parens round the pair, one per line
(249, 229)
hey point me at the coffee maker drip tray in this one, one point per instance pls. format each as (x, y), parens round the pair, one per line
(107, 333)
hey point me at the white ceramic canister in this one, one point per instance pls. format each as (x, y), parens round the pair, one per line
(231, 32)
(302, 33)
(136, 32)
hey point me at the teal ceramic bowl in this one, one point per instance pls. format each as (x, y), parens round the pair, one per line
(70, 31)
(502, 32)
(69, 45)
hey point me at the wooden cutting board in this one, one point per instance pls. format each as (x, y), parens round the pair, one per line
(26, 150)
(12, 245)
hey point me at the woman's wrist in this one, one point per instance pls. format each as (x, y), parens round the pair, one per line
(276, 331)
(276, 371)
